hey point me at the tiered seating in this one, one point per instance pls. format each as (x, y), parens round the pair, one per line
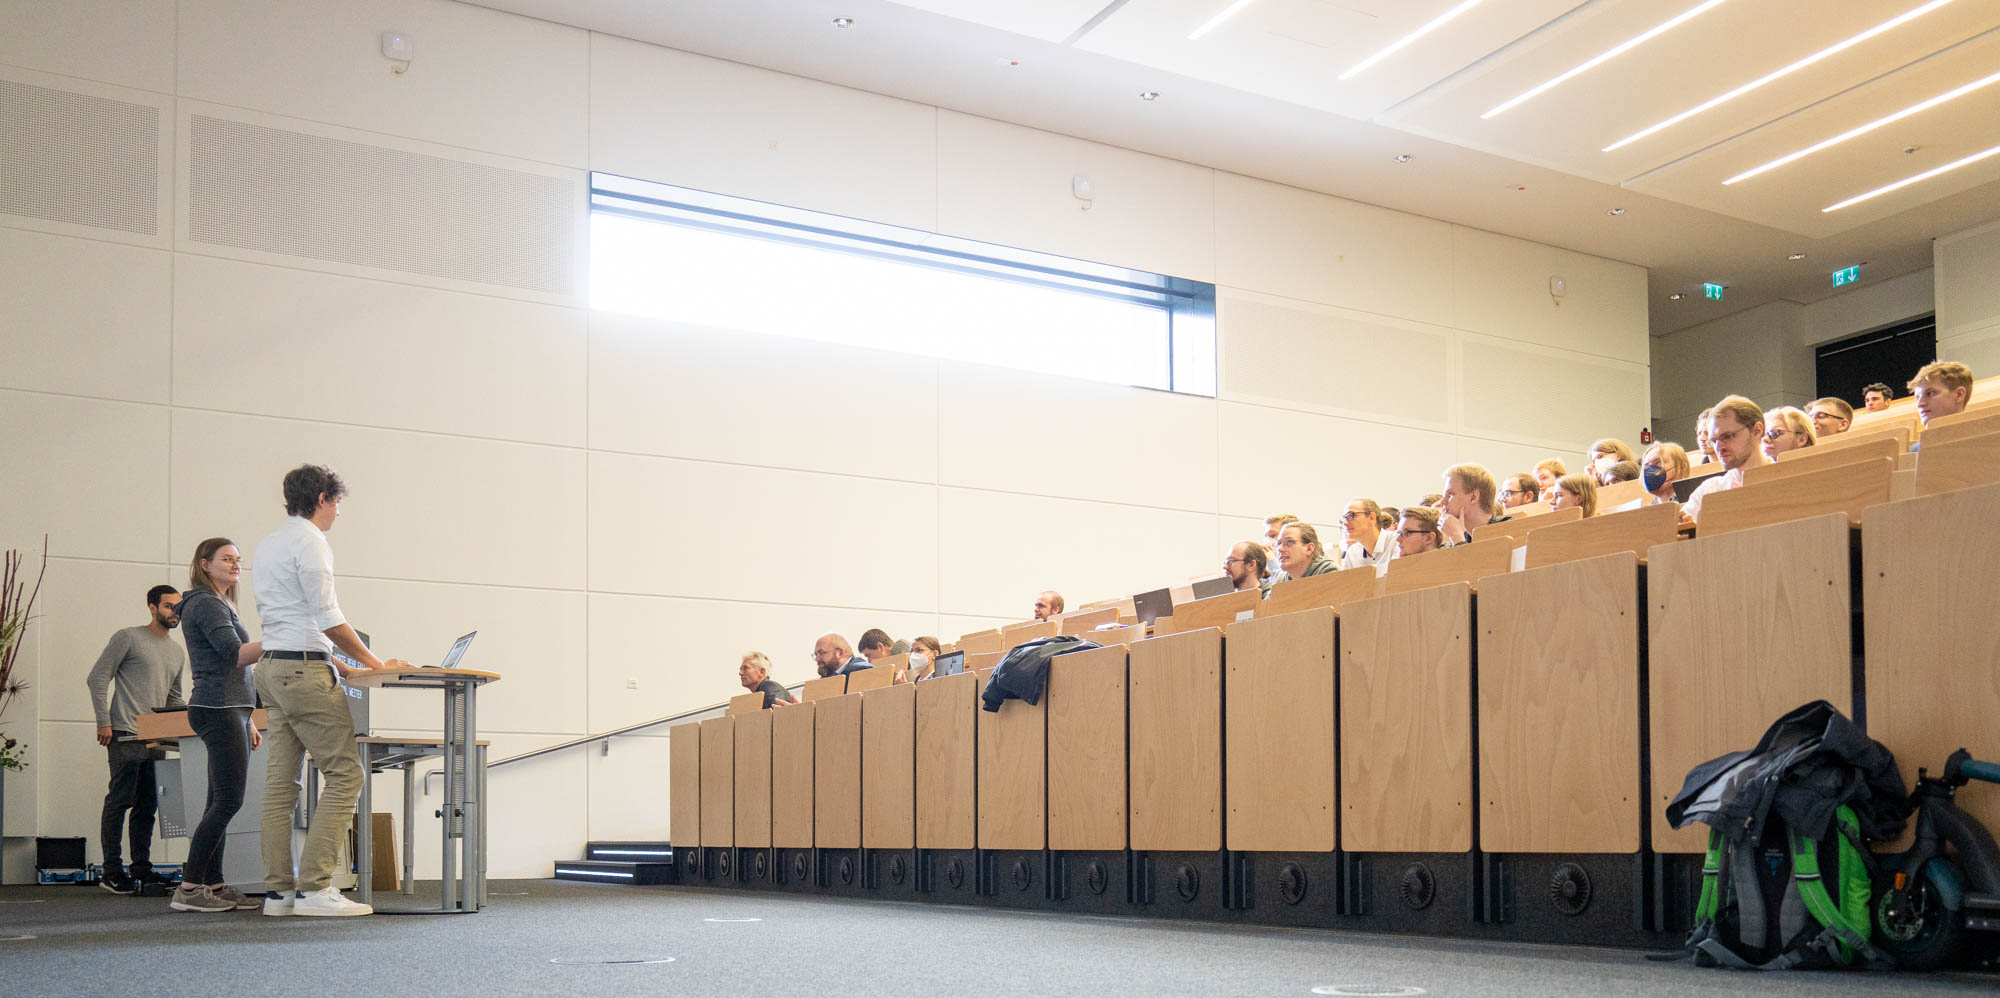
(1478, 741)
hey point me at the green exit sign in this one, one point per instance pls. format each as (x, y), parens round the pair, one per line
(1712, 292)
(1848, 276)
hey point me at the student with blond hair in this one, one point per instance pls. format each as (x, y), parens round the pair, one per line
(1576, 490)
(1942, 388)
(1672, 460)
(1607, 452)
(1736, 431)
(1786, 429)
(1830, 416)
(1547, 470)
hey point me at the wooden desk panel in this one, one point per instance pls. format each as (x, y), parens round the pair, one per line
(1961, 425)
(792, 776)
(980, 642)
(753, 779)
(1279, 730)
(1559, 708)
(1334, 589)
(1809, 459)
(1519, 528)
(889, 767)
(1086, 738)
(1175, 702)
(1932, 566)
(718, 781)
(1960, 464)
(684, 784)
(822, 688)
(1848, 489)
(1215, 611)
(1466, 563)
(837, 772)
(1619, 493)
(1744, 627)
(1020, 634)
(745, 703)
(863, 680)
(1635, 530)
(1118, 635)
(1083, 621)
(172, 725)
(947, 762)
(1012, 776)
(1406, 722)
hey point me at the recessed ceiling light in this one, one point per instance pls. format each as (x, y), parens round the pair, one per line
(1612, 53)
(1919, 178)
(843, 22)
(1149, 95)
(1834, 49)
(1796, 256)
(1676, 296)
(1865, 129)
(1616, 211)
(1404, 158)
(1397, 45)
(1223, 15)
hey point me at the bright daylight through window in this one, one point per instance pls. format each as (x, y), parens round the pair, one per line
(709, 260)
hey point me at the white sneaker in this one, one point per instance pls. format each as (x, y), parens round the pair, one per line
(328, 902)
(278, 903)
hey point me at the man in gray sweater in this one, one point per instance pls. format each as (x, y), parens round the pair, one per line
(146, 666)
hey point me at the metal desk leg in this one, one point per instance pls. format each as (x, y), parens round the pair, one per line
(364, 827)
(409, 833)
(447, 872)
(467, 739)
(481, 751)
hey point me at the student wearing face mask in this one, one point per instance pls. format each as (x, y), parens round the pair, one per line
(924, 652)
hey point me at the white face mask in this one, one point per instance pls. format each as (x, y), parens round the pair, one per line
(918, 660)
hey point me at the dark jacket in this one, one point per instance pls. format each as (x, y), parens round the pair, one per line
(855, 664)
(773, 691)
(1808, 763)
(1021, 674)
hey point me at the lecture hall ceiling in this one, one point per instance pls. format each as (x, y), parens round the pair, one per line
(1262, 93)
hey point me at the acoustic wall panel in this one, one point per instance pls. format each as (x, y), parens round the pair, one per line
(1501, 288)
(270, 189)
(92, 476)
(78, 158)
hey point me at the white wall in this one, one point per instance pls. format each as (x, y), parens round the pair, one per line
(622, 506)
(1968, 297)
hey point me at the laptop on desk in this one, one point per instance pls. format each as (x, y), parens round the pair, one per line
(1154, 605)
(1218, 586)
(948, 664)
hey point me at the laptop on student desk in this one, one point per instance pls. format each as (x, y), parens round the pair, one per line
(457, 652)
(1218, 586)
(948, 664)
(1154, 605)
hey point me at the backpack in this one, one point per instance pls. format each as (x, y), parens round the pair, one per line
(1786, 900)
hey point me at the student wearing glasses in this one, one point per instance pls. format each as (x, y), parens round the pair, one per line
(1830, 417)
(1419, 531)
(1245, 567)
(1786, 429)
(1736, 431)
(1368, 542)
(1519, 490)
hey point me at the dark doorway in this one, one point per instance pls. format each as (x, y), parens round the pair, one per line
(1890, 356)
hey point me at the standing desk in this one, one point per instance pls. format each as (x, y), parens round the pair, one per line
(464, 812)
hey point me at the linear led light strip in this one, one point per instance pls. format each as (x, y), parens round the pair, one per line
(1216, 21)
(1623, 47)
(631, 852)
(1865, 129)
(1398, 44)
(1919, 178)
(1831, 50)
(592, 873)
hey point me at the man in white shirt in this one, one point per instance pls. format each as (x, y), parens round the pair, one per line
(1736, 432)
(298, 680)
(1367, 543)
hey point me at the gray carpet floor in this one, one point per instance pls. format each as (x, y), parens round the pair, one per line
(87, 942)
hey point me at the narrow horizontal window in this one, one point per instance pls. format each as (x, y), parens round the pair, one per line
(729, 263)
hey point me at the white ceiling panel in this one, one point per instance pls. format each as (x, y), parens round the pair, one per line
(1296, 50)
(1048, 20)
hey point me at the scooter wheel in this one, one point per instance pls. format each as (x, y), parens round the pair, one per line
(1915, 927)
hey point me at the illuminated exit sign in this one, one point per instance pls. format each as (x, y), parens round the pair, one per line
(1848, 276)
(1712, 292)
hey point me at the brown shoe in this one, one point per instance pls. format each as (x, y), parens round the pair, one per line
(235, 897)
(197, 897)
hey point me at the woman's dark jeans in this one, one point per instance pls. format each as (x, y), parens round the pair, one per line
(226, 733)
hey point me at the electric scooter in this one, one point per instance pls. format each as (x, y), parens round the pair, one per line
(1938, 903)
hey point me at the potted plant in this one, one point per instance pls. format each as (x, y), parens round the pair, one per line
(17, 604)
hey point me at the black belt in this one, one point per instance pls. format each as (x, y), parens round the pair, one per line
(304, 656)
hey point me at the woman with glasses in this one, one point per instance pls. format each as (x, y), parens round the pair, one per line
(1576, 490)
(220, 658)
(1786, 429)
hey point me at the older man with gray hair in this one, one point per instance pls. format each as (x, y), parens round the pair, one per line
(755, 675)
(835, 657)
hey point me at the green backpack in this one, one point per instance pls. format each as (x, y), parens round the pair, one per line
(1786, 901)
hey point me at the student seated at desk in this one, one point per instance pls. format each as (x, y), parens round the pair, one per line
(1672, 461)
(924, 652)
(1369, 541)
(1470, 501)
(1048, 604)
(1830, 417)
(1547, 470)
(1736, 431)
(1607, 452)
(1579, 491)
(1786, 429)
(1518, 490)
(875, 645)
(1942, 388)
(1245, 567)
(1419, 531)
(755, 675)
(1300, 553)
(834, 657)
(1876, 397)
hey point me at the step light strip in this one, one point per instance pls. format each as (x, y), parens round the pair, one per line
(631, 852)
(592, 873)
(1831, 50)
(1865, 129)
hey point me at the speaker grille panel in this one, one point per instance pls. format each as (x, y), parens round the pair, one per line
(1332, 360)
(278, 191)
(70, 157)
